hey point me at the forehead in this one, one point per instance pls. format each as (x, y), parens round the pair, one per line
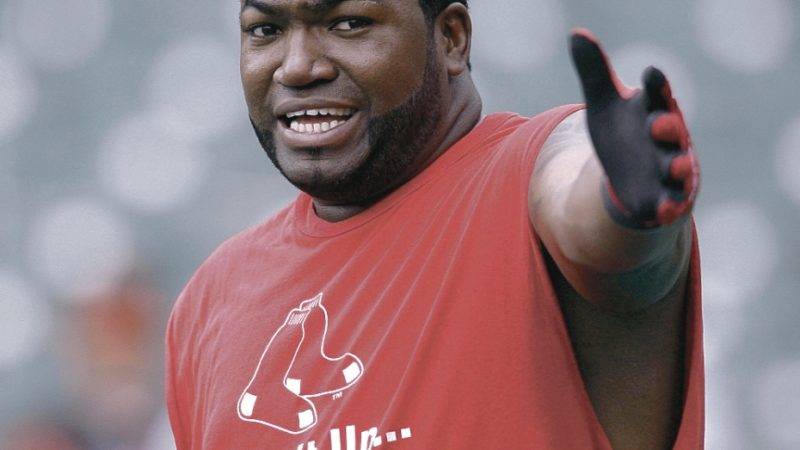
(273, 6)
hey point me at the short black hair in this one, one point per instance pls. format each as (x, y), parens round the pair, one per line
(432, 8)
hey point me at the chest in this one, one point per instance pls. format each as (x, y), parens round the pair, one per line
(423, 337)
(419, 356)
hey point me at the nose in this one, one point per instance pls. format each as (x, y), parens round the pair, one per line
(303, 62)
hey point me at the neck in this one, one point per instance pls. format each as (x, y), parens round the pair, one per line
(460, 117)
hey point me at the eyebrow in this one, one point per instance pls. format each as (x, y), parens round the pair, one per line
(315, 6)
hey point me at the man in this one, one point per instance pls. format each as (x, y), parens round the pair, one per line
(443, 281)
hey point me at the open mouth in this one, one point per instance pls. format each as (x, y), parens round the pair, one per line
(317, 121)
(321, 124)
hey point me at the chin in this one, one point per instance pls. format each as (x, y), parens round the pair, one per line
(322, 176)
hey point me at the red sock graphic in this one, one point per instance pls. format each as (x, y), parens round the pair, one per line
(314, 373)
(266, 400)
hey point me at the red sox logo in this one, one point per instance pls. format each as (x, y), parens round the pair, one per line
(293, 370)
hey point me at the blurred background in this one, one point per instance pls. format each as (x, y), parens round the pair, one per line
(126, 157)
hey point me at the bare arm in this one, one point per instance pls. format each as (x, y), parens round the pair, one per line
(610, 198)
(606, 263)
(628, 338)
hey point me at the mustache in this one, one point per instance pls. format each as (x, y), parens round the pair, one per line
(319, 88)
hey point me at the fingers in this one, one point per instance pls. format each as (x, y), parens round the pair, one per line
(682, 167)
(668, 128)
(597, 78)
(666, 122)
(657, 89)
(685, 170)
(679, 168)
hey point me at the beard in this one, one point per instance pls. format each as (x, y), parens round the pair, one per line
(396, 139)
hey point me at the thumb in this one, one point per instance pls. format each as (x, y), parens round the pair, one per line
(595, 73)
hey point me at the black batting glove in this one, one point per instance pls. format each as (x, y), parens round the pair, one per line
(640, 138)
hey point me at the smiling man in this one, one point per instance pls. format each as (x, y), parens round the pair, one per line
(444, 280)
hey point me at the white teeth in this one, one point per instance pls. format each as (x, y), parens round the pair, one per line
(321, 112)
(318, 127)
(321, 127)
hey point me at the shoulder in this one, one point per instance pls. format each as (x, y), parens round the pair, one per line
(547, 122)
(529, 136)
(562, 155)
(512, 150)
(573, 126)
(569, 129)
(509, 123)
(508, 133)
(231, 253)
(258, 237)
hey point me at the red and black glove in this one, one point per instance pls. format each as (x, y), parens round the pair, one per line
(640, 138)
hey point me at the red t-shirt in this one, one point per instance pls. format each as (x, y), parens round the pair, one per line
(427, 321)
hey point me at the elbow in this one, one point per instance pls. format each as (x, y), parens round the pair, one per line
(637, 289)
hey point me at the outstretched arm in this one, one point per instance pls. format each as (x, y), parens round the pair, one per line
(614, 185)
(610, 198)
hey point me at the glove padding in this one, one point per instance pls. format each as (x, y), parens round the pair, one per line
(640, 138)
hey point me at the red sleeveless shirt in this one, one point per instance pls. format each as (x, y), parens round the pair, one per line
(427, 321)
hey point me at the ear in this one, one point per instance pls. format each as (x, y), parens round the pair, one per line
(454, 27)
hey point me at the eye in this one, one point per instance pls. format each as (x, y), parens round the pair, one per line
(350, 24)
(263, 31)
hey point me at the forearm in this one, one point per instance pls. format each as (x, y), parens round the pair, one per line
(589, 236)
(608, 262)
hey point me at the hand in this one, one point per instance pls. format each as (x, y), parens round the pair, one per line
(640, 138)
